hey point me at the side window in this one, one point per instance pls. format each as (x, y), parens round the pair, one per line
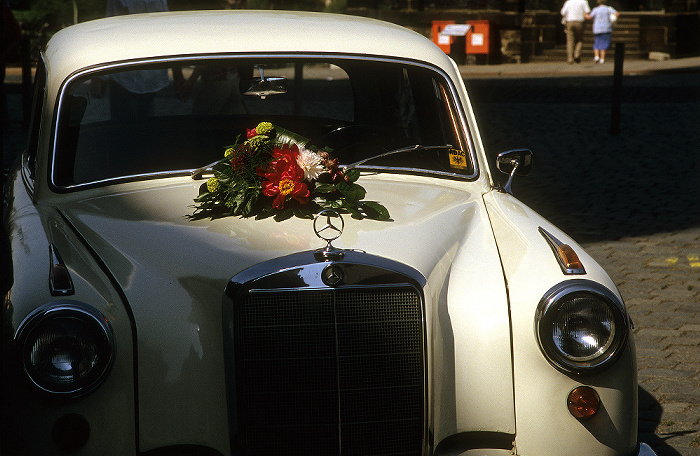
(36, 115)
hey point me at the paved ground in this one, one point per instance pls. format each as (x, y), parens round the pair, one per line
(632, 199)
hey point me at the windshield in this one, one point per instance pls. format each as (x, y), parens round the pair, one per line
(158, 118)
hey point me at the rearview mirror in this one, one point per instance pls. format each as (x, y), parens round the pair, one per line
(264, 87)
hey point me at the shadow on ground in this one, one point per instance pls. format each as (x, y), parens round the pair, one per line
(593, 184)
(650, 413)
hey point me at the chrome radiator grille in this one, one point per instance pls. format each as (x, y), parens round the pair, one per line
(332, 371)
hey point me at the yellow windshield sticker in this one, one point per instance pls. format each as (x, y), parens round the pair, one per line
(458, 159)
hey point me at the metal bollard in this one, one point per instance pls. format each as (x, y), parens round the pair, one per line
(617, 88)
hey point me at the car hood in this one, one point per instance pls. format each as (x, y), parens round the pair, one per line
(147, 239)
(173, 270)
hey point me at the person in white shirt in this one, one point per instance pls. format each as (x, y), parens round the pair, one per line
(573, 16)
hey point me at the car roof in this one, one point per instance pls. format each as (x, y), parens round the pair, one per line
(140, 36)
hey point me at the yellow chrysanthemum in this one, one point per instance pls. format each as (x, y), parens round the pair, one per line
(256, 141)
(228, 151)
(264, 128)
(213, 184)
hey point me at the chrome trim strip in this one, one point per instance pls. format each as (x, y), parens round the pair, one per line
(301, 260)
(299, 273)
(554, 244)
(60, 282)
(457, 106)
(73, 310)
(581, 287)
(121, 180)
(425, 172)
(26, 173)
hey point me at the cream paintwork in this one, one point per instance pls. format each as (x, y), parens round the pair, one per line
(540, 391)
(174, 289)
(31, 228)
(149, 262)
(227, 32)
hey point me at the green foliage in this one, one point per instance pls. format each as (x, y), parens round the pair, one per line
(336, 6)
(58, 13)
(53, 15)
(270, 161)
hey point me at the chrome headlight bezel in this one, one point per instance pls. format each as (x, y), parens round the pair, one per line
(65, 348)
(581, 326)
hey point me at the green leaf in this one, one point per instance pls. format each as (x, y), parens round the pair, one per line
(203, 189)
(207, 197)
(222, 167)
(323, 203)
(352, 192)
(302, 213)
(353, 210)
(284, 214)
(375, 210)
(224, 179)
(265, 212)
(287, 137)
(324, 188)
(251, 199)
(352, 175)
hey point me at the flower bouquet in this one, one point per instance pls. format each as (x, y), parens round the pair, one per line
(274, 173)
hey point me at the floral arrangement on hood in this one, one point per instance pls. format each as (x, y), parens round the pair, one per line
(274, 173)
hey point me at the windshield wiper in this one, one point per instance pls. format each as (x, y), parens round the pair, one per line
(196, 174)
(414, 148)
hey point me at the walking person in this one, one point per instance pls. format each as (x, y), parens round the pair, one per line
(602, 16)
(574, 14)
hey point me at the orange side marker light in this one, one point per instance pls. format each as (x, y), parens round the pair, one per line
(568, 257)
(583, 402)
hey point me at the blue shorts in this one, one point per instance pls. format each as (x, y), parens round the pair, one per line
(602, 41)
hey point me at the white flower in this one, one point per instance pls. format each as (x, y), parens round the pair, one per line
(311, 163)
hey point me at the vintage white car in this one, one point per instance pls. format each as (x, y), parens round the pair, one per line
(278, 233)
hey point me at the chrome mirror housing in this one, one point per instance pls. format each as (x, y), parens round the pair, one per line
(263, 87)
(514, 162)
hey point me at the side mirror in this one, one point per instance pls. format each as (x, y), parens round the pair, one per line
(514, 162)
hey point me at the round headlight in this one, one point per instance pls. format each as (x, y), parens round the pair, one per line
(66, 348)
(581, 326)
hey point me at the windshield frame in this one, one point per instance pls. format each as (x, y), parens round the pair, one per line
(453, 99)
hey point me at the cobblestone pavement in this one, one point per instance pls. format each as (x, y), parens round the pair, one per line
(633, 201)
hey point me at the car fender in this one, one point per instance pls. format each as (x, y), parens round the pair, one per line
(541, 391)
(31, 230)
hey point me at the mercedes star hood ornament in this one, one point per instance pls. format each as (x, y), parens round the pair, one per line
(329, 225)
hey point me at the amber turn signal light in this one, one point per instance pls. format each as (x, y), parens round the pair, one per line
(583, 402)
(569, 257)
